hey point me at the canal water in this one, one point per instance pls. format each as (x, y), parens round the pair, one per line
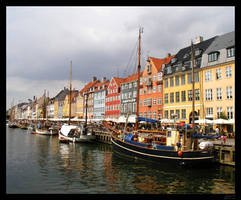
(38, 164)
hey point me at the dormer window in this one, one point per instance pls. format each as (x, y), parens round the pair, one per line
(213, 56)
(230, 52)
(186, 55)
(197, 52)
(169, 70)
(173, 60)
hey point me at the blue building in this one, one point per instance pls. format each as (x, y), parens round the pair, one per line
(100, 93)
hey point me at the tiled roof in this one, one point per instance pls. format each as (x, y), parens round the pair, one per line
(130, 78)
(118, 80)
(183, 57)
(221, 42)
(158, 62)
(103, 83)
(89, 85)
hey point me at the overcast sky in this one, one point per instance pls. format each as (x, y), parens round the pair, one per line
(100, 41)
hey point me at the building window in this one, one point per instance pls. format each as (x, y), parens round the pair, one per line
(219, 93)
(149, 90)
(166, 98)
(197, 94)
(230, 112)
(145, 90)
(171, 82)
(140, 80)
(154, 101)
(134, 107)
(218, 74)
(159, 76)
(196, 77)
(166, 83)
(177, 80)
(140, 91)
(130, 85)
(228, 71)
(140, 102)
(183, 80)
(209, 94)
(172, 97)
(189, 78)
(208, 75)
(145, 114)
(219, 111)
(177, 97)
(159, 88)
(154, 89)
(229, 91)
(212, 56)
(171, 114)
(159, 101)
(189, 95)
(134, 94)
(166, 114)
(178, 114)
(209, 112)
(183, 96)
(183, 113)
(154, 115)
(230, 52)
(154, 77)
(149, 114)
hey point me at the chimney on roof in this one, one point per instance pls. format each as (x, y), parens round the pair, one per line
(94, 78)
(198, 40)
(168, 55)
(103, 79)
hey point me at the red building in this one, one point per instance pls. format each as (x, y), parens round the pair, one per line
(112, 101)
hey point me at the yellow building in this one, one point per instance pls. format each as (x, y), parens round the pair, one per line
(177, 79)
(218, 66)
(65, 113)
(80, 106)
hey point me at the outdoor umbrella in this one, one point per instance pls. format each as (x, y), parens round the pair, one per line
(204, 121)
(220, 121)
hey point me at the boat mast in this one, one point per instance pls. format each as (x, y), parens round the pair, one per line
(138, 77)
(86, 105)
(193, 90)
(70, 90)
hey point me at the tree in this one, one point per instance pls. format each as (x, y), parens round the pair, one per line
(223, 115)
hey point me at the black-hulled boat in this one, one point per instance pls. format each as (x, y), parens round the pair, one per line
(176, 146)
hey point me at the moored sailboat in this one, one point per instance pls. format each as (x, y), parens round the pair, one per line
(74, 133)
(178, 146)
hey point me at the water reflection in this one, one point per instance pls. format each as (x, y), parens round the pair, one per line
(37, 160)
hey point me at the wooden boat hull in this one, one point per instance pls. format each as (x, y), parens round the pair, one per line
(12, 126)
(46, 132)
(162, 156)
(81, 138)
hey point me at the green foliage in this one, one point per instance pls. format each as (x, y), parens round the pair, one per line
(223, 116)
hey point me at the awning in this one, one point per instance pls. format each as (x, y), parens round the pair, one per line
(147, 119)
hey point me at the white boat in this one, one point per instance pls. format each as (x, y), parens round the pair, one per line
(49, 131)
(73, 133)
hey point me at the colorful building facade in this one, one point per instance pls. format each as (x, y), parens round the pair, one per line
(112, 103)
(177, 88)
(151, 88)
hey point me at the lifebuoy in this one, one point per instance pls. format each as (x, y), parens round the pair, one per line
(179, 153)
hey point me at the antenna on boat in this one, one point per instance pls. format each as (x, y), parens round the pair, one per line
(138, 77)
